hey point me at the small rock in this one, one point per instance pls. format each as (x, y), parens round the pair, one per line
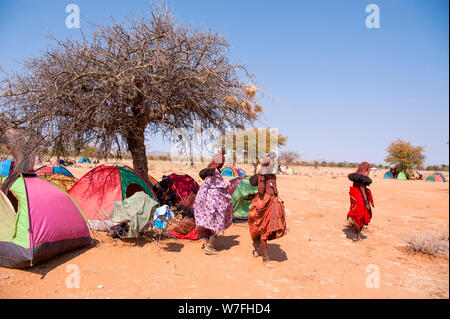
(100, 286)
(5, 276)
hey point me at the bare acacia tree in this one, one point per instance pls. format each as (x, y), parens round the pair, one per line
(289, 157)
(145, 75)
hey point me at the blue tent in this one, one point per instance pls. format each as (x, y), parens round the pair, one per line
(5, 167)
(388, 175)
(84, 159)
(53, 170)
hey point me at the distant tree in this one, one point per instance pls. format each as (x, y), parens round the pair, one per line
(444, 167)
(324, 163)
(289, 157)
(331, 164)
(405, 157)
(254, 147)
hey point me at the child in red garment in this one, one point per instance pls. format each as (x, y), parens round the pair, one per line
(361, 200)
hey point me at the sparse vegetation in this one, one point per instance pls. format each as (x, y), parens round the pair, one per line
(429, 244)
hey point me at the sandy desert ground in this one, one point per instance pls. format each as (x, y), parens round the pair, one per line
(317, 258)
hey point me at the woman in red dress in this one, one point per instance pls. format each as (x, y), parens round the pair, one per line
(361, 200)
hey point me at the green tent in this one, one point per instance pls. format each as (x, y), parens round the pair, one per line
(402, 176)
(242, 198)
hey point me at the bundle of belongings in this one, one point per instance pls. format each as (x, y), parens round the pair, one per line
(131, 215)
(163, 215)
(164, 191)
(186, 228)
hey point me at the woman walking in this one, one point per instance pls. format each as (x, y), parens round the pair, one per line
(213, 206)
(266, 218)
(360, 198)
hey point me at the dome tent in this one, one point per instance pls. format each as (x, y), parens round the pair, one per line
(242, 198)
(96, 192)
(6, 167)
(436, 177)
(83, 160)
(388, 175)
(38, 220)
(401, 176)
(229, 171)
(48, 170)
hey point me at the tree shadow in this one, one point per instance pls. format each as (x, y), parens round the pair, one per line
(45, 267)
(276, 253)
(226, 242)
(350, 233)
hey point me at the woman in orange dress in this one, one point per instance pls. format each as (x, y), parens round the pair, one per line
(266, 218)
(361, 200)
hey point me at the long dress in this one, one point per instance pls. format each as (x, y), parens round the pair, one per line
(358, 212)
(213, 206)
(266, 218)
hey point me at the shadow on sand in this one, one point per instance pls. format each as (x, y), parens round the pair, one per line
(276, 253)
(226, 242)
(350, 233)
(45, 267)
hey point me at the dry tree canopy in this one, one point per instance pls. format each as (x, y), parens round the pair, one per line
(145, 74)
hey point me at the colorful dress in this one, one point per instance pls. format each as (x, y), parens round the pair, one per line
(213, 206)
(266, 218)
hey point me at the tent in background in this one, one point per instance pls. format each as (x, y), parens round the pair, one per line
(96, 192)
(84, 160)
(6, 167)
(388, 175)
(289, 171)
(38, 221)
(229, 171)
(436, 177)
(48, 170)
(241, 172)
(401, 176)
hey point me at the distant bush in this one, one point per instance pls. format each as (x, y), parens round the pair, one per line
(429, 244)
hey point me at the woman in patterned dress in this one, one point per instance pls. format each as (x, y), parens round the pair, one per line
(213, 206)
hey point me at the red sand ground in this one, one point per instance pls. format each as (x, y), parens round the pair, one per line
(317, 259)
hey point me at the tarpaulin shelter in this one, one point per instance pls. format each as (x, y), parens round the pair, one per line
(136, 211)
(96, 192)
(38, 220)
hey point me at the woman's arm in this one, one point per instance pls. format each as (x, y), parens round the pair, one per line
(362, 188)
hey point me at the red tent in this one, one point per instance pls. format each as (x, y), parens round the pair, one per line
(183, 185)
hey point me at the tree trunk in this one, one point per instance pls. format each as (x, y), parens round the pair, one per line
(136, 146)
(255, 167)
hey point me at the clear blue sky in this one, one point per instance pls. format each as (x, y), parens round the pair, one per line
(340, 91)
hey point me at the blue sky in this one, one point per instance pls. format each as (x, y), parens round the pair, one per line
(339, 90)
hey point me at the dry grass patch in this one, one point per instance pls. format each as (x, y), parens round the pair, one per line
(429, 244)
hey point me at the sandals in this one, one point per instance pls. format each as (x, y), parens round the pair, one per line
(255, 251)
